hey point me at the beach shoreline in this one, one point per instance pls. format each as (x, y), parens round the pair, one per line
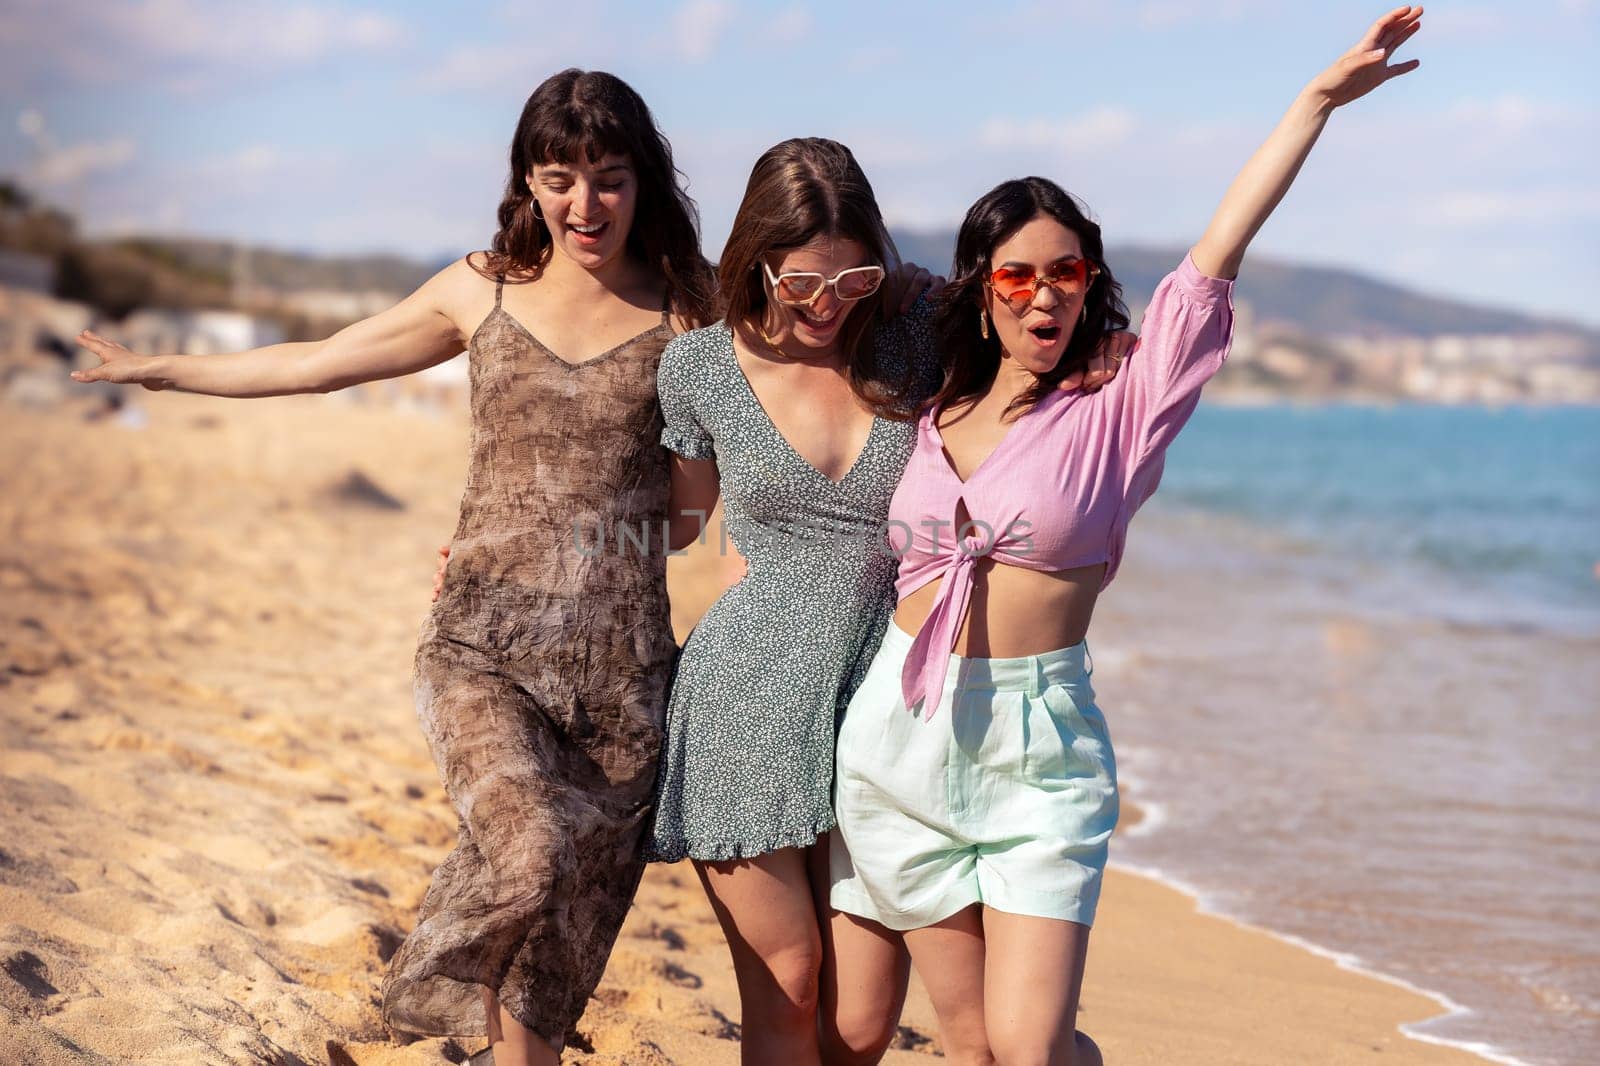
(1444, 1008)
(225, 815)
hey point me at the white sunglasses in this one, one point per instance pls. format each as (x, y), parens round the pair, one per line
(803, 288)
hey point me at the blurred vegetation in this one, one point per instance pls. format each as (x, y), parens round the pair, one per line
(119, 278)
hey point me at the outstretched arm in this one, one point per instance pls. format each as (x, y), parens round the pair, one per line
(1265, 179)
(416, 333)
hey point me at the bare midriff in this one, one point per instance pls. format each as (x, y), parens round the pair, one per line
(1014, 611)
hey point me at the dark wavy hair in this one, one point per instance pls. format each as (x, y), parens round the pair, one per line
(589, 114)
(971, 362)
(801, 189)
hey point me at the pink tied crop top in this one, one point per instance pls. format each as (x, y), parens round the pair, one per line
(1059, 489)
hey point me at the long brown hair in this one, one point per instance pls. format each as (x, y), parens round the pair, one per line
(799, 190)
(590, 114)
(971, 360)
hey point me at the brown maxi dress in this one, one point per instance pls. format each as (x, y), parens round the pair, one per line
(541, 679)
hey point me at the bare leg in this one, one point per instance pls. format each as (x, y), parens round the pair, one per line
(512, 1042)
(769, 920)
(949, 957)
(865, 968)
(1032, 978)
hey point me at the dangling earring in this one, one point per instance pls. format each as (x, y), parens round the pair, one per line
(983, 323)
(535, 206)
(1083, 313)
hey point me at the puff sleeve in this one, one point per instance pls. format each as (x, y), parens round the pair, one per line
(679, 386)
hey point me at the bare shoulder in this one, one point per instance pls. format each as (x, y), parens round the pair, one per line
(466, 280)
(462, 291)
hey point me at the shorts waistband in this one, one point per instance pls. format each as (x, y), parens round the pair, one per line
(1027, 673)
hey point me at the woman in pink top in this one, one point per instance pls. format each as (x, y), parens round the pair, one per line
(975, 780)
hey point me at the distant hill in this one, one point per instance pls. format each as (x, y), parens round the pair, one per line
(287, 271)
(1314, 300)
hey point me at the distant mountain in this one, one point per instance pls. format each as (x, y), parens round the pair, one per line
(1313, 300)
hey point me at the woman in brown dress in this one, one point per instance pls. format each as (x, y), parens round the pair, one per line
(543, 668)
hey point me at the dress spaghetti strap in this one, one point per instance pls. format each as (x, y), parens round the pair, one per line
(499, 283)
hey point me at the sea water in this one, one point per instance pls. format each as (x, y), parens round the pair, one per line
(1361, 700)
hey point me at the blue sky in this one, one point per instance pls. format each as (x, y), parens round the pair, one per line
(360, 126)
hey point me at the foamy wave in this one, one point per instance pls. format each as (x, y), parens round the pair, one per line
(1205, 903)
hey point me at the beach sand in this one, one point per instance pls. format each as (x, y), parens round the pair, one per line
(220, 816)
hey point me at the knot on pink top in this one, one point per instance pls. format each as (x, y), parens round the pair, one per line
(927, 663)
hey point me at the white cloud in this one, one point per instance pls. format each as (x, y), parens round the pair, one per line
(1509, 114)
(697, 28)
(182, 44)
(335, 199)
(72, 163)
(248, 162)
(1102, 128)
(472, 66)
(512, 69)
(1479, 207)
(890, 147)
(253, 32)
(53, 165)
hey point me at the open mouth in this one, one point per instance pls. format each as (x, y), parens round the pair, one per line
(588, 234)
(816, 322)
(1046, 332)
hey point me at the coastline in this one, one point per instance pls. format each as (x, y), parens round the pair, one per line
(225, 814)
(1335, 776)
(1434, 1006)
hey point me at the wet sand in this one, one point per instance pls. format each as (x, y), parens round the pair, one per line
(219, 814)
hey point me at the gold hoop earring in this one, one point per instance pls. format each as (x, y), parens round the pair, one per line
(983, 323)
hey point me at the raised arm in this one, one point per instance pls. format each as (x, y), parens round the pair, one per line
(418, 332)
(1265, 179)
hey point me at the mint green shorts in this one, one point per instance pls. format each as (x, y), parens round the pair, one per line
(1007, 797)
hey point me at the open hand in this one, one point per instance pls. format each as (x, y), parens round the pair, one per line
(1103, 364)
(117, 364)
(1366, 66)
